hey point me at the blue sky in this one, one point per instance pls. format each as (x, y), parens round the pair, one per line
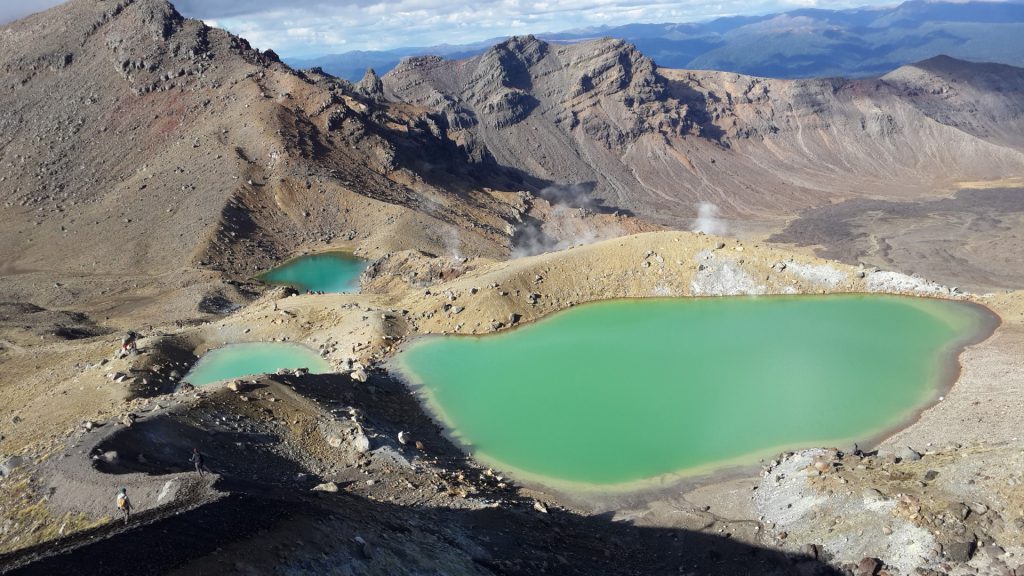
(301, 28)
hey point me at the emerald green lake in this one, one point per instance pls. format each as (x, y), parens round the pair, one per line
(327, 272)
(239, 360)
(618, 392)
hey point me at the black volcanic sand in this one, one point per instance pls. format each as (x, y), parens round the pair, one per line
(974, 239)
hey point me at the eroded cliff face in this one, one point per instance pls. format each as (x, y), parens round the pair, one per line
(658, 142)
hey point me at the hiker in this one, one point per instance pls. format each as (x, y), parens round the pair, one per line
(123, 504)
(128, 342)
(197, 459)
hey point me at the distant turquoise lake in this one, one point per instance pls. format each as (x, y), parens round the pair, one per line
(327, 272)
(619, 392)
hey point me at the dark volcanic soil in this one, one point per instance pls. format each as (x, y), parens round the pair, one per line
(974, 239)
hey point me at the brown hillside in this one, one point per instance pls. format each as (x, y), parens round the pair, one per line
(144, 153)
(658, 142)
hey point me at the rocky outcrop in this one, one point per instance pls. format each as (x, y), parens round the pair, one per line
(371, 86)
(658, 142)
(903, 512)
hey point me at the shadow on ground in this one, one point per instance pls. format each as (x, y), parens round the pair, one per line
(266, 521)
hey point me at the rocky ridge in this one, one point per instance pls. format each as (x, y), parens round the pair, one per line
(659, 142)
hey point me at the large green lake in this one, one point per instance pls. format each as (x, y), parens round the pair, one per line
(326, 272)
(251, 358)
(617, 392)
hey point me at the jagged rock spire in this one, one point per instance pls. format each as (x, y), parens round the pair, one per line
(371, 85)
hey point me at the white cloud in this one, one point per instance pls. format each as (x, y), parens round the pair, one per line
(313, 27)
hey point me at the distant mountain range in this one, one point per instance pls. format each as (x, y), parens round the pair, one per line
(802, 43)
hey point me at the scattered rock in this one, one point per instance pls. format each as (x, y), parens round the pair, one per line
(868, 567)
(812, 551)
(11, 463)
(360, 443)
(960, 551)
(978, 508)
(908, 454)
(364, 547)
(873, 495)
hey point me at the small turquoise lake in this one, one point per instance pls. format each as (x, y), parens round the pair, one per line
(326, 272)
(237, 360)
(615, 393)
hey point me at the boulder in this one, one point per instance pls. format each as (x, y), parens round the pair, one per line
(978, 508)
(868, 567)
(326, 487)
(959, 551)
(359, 375)
(812, 551)
(345, 435)
(872, 495)
(908, 454)
(11, 463)
(364, 547)
(403, 438)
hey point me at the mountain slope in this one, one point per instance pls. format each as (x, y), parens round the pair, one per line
(658, 142)
(145, 154)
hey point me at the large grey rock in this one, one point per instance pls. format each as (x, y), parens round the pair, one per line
(11, 463)
(345, 435)
(908, 454)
